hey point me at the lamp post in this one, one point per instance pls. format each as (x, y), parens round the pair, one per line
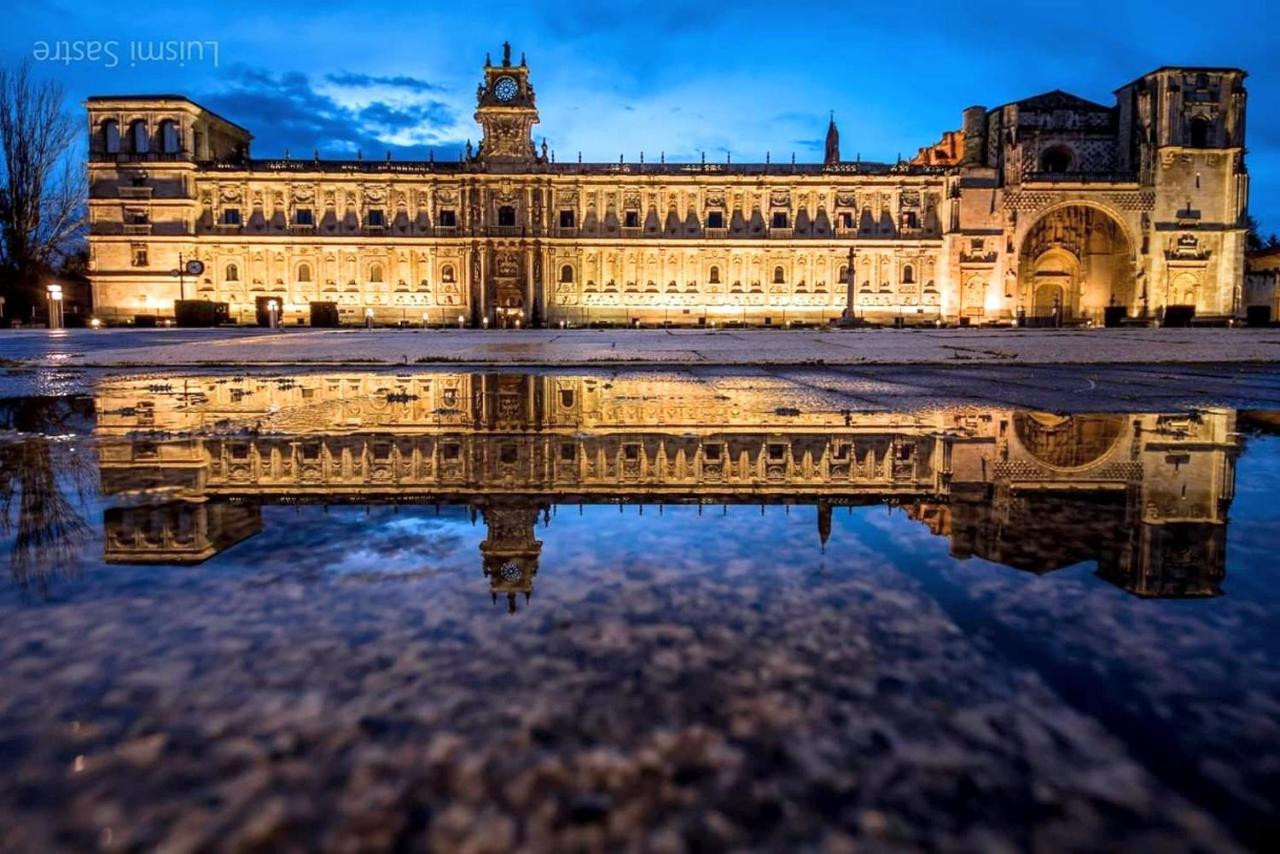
(368, 318)
(54, 292)
(273, 314)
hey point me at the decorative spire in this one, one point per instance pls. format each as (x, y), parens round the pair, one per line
(506, 54)
(824, 524)
(832, 155)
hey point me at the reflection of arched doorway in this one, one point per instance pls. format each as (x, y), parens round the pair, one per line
(1067, 441)
(1076, 259)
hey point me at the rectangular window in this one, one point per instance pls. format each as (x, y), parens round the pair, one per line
(231, 216)
(846, 219)
(568, 453)
(632, 219)
(448, 219)
(303, 216)
(139, 253)
(136, 217)
(566, 219)
(715, 219)
(376, 218)
(780, 219)
(711, 452)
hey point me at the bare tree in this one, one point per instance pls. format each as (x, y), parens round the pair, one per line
(42, 186)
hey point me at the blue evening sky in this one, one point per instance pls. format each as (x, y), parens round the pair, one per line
(620, 78)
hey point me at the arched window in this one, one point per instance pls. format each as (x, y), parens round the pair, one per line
(111, 136)
(232, 273)
(169, 136)
(779, 275)
(446, 273)
(1199, 132)
(713, 275)
(566, 273)
(844, 274)
(139, 139)
(908, 274)
(375, 273)
(304, 272)
(506, 215)
(1056, 159)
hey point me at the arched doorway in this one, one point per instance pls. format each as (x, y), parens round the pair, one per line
(1184, 290)
(1075, 261)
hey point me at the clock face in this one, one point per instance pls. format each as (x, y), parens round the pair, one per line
(505, 89)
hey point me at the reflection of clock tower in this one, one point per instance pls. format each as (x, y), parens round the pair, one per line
(511, 550)
(505, 109)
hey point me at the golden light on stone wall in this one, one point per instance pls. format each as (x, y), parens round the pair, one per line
(1052, 201)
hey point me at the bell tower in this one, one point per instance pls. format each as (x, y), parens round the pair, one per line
(505, 110)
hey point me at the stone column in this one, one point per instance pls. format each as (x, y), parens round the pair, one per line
(528, 284)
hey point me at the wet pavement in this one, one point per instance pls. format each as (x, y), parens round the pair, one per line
(595, 348)
(676, 610)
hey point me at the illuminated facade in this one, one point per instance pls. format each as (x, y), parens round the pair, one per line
(1051, 207)
(1146, 496)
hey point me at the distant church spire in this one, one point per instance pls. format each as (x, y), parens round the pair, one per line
(832, 155)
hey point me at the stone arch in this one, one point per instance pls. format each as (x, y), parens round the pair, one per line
(168, 137)
(1200, 128)
(1057, 159)
(110, 136)
(1068, 441)
(1083, 253)
(139, 137)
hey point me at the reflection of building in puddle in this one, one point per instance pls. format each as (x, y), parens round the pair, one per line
(1145, 496)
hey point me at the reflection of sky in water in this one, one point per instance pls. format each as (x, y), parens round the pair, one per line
(880, 656)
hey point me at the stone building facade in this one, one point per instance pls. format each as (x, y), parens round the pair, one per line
(1051, 207)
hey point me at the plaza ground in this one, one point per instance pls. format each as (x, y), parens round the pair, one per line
(602, 348)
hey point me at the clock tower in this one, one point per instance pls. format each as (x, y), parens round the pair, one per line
(505, 109)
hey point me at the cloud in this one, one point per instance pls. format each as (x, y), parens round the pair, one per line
(412, 116)
(365, 81)
(285, 112)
